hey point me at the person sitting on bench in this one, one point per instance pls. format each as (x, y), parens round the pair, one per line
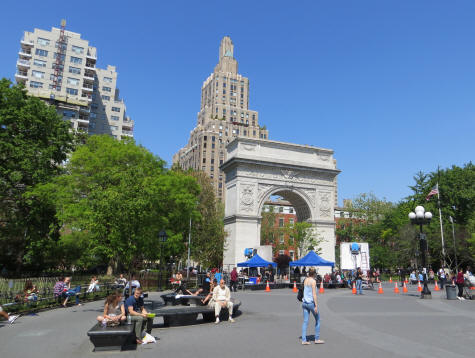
(209, 296)
(114, 310)
(222, 298)
(204, 290)
(134, 306)
(181, 287)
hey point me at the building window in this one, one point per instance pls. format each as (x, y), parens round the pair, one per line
(68, 113)
(73, 81)
(281, 222)
(281, 209)
(39, 63)
(212, 145)
(292, 255)
(77, 60)
(38, 74)
(108, 79)
(42, 41)
(220, 185)
(72, 91)
(42, 53)
(115, 118)
(58, 88)
(77, 49)
(34, 84)
(281, 252)
(74, 70)
(106, 89)
(204, 160)
(212, 160)
(114, 128)
(281, 237)
(62, 57)
(105, 98)
(115, 109)
(291, 221)
(93, 115)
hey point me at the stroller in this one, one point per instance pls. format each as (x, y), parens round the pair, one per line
(467, 287)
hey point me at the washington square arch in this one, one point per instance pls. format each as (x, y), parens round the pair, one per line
(257, 169)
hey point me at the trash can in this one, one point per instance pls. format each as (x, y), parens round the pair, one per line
(451, 292)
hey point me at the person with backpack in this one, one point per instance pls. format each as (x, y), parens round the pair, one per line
(310, 306)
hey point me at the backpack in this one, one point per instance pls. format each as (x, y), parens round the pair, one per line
(300, 293)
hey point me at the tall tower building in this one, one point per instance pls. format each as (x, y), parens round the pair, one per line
(224, 114)
(60, 67)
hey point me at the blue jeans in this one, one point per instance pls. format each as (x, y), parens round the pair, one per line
(307, 309)
(359, 287)
(74, 292)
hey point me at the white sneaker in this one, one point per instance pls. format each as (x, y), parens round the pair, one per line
(459, 298)
(463, 299)
(12, 319)
(217, 320)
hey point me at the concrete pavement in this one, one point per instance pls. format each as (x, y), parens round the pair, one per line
(371, 325)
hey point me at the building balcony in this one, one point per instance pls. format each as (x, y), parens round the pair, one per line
(85, 109)
(89, 67)
(87, 97)
(91, 57)
(23, 64)
(83, 122)
(24, 53)
(88, 77)
(87, 88)
(27, 43)
(21, 76)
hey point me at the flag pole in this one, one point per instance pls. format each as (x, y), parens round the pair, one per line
(440, 218)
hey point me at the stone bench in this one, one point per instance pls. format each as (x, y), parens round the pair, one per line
(184, 315)
(112, 338)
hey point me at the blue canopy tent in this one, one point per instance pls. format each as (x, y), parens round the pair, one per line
(256, 261)
(312, 259)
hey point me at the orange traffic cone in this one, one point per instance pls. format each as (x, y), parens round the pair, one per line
(380, 289)
(321, 287)
(436, 288)
(404, 288)
(419, 287)
(405, 280)
(396, 289)
(295, 288)
(267, 287)
(353, 291)
(472, 287)
(390, 279)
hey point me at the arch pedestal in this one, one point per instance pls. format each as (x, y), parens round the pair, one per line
(255, 169)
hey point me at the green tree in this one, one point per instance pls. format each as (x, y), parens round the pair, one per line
(114, 199)
(208, 236)
(34, 142)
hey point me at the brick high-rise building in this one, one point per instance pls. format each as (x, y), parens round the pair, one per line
(224, 114)
(60, 67)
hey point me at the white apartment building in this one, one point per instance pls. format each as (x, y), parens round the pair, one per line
(60, 67)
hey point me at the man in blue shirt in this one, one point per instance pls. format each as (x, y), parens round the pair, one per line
(135, 308)
(217, 276)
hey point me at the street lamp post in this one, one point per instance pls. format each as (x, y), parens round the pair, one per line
(421, 217)
(162, 237)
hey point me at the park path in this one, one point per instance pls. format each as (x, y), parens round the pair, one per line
(371, 325)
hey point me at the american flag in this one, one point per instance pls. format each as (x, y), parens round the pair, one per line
(435, 190)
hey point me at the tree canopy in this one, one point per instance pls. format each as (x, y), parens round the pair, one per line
(34, 142)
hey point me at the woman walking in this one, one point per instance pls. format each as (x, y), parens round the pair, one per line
(310, 306)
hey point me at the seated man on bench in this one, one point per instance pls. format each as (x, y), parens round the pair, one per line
(222, 298)
(134, 306)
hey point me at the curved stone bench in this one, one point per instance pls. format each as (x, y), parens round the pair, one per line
(184, 315)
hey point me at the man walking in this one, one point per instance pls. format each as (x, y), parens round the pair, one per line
(234, 280)
(222, 298)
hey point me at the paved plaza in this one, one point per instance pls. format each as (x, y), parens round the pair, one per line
(269, 325)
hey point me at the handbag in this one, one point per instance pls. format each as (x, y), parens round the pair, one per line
(300, 293)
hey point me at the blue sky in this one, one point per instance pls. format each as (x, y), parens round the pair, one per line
(389, 85)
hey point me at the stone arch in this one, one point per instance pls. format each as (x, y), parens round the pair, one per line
(300, 201)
